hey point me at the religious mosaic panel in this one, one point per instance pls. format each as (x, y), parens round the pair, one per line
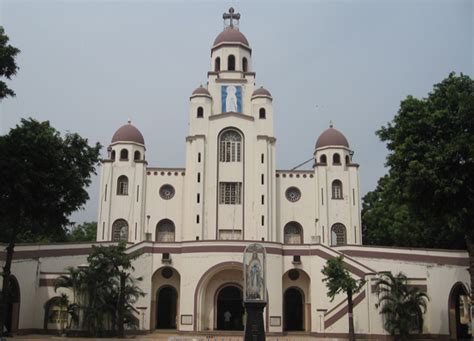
(231, 96)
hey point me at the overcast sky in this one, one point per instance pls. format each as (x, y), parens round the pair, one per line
(88, 66)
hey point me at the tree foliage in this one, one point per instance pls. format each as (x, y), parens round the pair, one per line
(338, 280)
(44, 176)
(8, 67)
(427, 198)
(105, 290)
(401, 305)
(85, 232)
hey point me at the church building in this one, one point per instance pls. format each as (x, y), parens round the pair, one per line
(192, 225)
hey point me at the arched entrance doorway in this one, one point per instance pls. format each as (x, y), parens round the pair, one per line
(458, 313)
(293, 317)
(166, 303)
(13, 305)
(229, 308)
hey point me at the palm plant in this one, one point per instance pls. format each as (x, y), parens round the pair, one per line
(105, 290)
(401, 305)
(67, 311)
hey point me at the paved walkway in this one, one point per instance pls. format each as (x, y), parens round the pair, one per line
(162, 337)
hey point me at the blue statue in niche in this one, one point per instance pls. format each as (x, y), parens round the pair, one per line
(231, 96)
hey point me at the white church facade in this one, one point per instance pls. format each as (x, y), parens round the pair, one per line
(192, 225)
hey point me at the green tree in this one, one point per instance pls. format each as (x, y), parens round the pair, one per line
(8, 67)
(388, 221)
(402, 306)
(44, 176)
(431, 160)
(85, 232)
(338, 279)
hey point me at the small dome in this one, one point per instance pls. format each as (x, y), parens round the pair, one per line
(128, 133)
(231, 35)
(331, 137)
(261, 92)
(201, 91)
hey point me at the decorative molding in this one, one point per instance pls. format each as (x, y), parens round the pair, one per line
(275, 321)
(187, 320)
(231, 114)
(231, 80)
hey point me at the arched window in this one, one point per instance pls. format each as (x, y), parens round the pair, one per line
(119, 230)
(217, 64)
(123, 155)
(165, 231)
(56, 313)
(231, 63)
(323, 159)
(348, 161)
(293, 233)
(137, 155)
(122, 185)
(230, 146)
(338, 234)
(200, 112)
(336, 159)
(244, 64)
(112, 155)
(337, 189)
(262, 113)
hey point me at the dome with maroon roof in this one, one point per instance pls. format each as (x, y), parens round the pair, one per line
(201, 91)
(231, 35)
(261, 92)
(331, 137)
(128, 133)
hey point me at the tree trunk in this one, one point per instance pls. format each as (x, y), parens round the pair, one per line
(121, 306)
(6, 286)
(350, 316)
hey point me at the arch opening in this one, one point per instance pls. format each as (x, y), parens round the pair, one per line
(293, 310)
(122, 185)
(166, 308)
(338, 235)
(200, 112)
(229, 308)
(165, 231)
(244, 64)
(458, 308)
(123, 155)
(231, 63)
(293, 233)
(120, 230)
(217, 64)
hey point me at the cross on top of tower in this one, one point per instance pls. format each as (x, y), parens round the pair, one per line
(232, 17)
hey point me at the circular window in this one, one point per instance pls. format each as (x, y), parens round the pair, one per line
(167, 192)
(294, 274)
(167, 272)
(293, 194)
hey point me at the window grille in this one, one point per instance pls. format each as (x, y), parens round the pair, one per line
(122, 185)
(337, 189)
(230, 193)
(338, 234)
(119, 230)
(293, 233)
(230, 147)
(165, 231)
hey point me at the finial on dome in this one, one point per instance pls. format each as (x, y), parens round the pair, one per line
(129, 121)
(231, 19)
(331, 124)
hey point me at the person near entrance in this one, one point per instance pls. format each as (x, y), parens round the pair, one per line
(227, 319)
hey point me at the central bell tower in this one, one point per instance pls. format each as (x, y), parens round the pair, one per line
(230, 167)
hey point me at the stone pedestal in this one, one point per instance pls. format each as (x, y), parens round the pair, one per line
(254, 328)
